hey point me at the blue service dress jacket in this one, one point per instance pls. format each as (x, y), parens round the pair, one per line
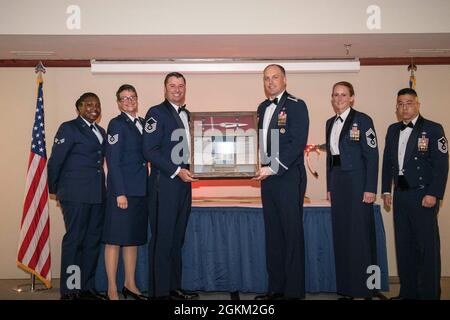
(127, 176)
(426, 158)
(75, 168)
(358, 148)
(127, 168)
(165, 142)
(293, 135)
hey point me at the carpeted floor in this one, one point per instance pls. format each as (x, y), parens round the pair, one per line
(8, 291)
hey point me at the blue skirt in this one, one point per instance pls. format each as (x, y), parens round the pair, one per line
(126, 227)
(353, 232)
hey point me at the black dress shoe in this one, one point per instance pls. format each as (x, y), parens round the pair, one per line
(397, 298)
(270, 296)
(126, 292)
(346, 298)
(183, 295)
(91, 295)
(69, 296)
(353, 298)
(292, 298)
(160, 298)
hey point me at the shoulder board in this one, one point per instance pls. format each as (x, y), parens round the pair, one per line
(292, 98)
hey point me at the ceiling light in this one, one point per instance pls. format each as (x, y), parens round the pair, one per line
(24, 53)
(429, 51)
(221, 66)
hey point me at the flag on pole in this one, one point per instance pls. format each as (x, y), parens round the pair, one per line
(412, 81)
(34, 240)
(412, 77)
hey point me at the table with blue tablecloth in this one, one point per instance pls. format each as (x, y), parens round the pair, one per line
(224, 250)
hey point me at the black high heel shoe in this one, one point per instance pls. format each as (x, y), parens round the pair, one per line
(135, 296)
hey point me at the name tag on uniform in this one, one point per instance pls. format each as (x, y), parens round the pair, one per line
(354, 133)
(422, 143)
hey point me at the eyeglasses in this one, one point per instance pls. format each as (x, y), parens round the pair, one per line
(125, 99)
(408, 104)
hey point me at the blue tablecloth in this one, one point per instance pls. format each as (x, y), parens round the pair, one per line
(224, 250)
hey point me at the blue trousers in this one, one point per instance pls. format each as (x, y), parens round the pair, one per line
(282, 199)
(81, 243)
(170, 207)
(417, 246)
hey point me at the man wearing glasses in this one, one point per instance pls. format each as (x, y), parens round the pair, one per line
(416, 161)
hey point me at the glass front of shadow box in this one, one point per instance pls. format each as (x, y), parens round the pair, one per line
(224, 144)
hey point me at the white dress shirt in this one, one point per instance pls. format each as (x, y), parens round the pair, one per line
(137, 123)
(336, 131)
(402, 143)
(267, 119)
(184, 119)
(96, 131)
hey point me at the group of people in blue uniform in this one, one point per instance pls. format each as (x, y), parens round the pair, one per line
(148, 180)
(414, 168)
(143, 183)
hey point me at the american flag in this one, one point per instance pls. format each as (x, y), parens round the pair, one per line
(34, 242)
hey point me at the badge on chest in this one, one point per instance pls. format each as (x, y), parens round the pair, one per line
(282, 118)
(422, 143)
(354, 133)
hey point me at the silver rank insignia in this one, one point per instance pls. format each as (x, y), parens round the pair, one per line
(422, 143)
(150, 125)
(113, 139)
(59, 141)
(354, 133)
(443, 145)
(371, 138)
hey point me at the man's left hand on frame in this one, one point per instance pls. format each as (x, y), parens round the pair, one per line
(369, 197)
(263, 173)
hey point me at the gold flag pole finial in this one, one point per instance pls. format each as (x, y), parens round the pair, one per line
(40, 69)
(412, 78)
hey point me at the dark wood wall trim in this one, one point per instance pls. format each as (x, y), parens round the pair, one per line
(87, 63)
